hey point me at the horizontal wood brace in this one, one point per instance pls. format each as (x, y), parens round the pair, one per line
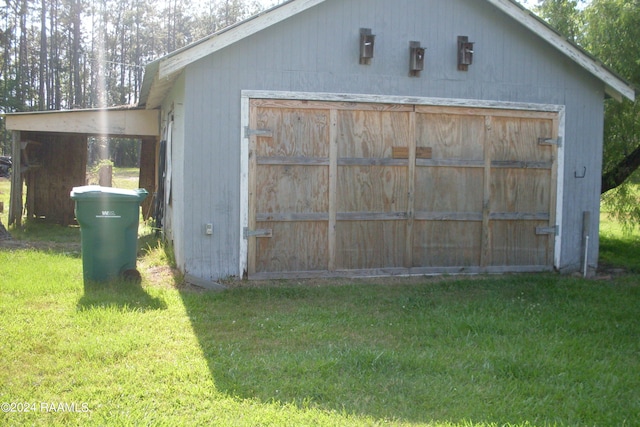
(519, 216)
(508, 164)
(371, 216)
(403, 152)
(550, 141)
(257, 233)
(458, 163)
(393, 216)
(477, 216)
(248, 132)
(324, 161)
(448, 216)
(357, 161)
(324, 216)
(401, 271)
(292, 161)
(292, 217)
(555, 230)
(375, 161)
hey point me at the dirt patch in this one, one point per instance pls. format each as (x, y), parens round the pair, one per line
(162, 276)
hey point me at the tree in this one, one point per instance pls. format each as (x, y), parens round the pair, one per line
(563, 15)
(610, 30)
(59, 54)
(44, 88)
(613, 35)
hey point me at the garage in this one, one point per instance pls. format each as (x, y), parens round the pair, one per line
(328, 138)
(384, 188)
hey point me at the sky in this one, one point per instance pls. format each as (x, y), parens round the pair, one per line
(527, 3)
(530, 4)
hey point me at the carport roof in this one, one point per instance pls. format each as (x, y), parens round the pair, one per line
(118, 121)
(161, 74)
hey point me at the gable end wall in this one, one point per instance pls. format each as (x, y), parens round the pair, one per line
(317, 51)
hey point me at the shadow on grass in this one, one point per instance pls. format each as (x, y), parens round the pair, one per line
(120, 293)
(331, 348)
(41, 230)
(620, 253)
(444, 349)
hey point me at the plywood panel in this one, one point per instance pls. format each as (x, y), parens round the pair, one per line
(516, 243)
(447, 243)
(517, 139)
(295, 246)
(296, 133)
(447, 189)
(521, 190)
(371, 134)
(372, 189)
(451, 136)
(292, 189)
(369, 244)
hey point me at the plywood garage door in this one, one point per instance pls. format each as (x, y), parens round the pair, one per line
(352, 188)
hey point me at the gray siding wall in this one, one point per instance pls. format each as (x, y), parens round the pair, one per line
(317, 51)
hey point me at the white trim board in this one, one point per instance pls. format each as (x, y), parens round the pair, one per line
(247, 95)
(614, 85)
(175, 62)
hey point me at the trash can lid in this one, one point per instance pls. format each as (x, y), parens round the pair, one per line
(97, 192)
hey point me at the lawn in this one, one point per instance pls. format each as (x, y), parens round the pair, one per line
(518, 350)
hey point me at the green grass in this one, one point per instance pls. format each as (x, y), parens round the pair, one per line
(5, 193)
(121, 178)
(524, 349)
(619, 248)
(517, 350)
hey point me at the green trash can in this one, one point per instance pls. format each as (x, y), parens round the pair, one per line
(108, 219)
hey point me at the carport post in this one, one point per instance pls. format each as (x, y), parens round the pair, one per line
(15, 201)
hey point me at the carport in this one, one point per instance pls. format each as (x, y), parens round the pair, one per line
(49, 153)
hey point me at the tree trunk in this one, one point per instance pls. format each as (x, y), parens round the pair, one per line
(75, 53)
(43, 89)
(4, 234)
(23, 69)
(621, 172)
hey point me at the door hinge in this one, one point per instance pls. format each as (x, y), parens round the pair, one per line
(265, 232)
(550, 141)
(248, 132)
(555, 230)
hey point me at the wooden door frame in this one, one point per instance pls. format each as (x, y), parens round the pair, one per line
(245, 135)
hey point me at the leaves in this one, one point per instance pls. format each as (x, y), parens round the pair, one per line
(610, 30)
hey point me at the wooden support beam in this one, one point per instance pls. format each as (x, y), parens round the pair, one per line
(148, 173)
(126, 122)
(333, 188)
(15, 201)
(485, 248)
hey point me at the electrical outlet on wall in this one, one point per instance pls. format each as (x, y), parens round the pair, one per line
(208, 229)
